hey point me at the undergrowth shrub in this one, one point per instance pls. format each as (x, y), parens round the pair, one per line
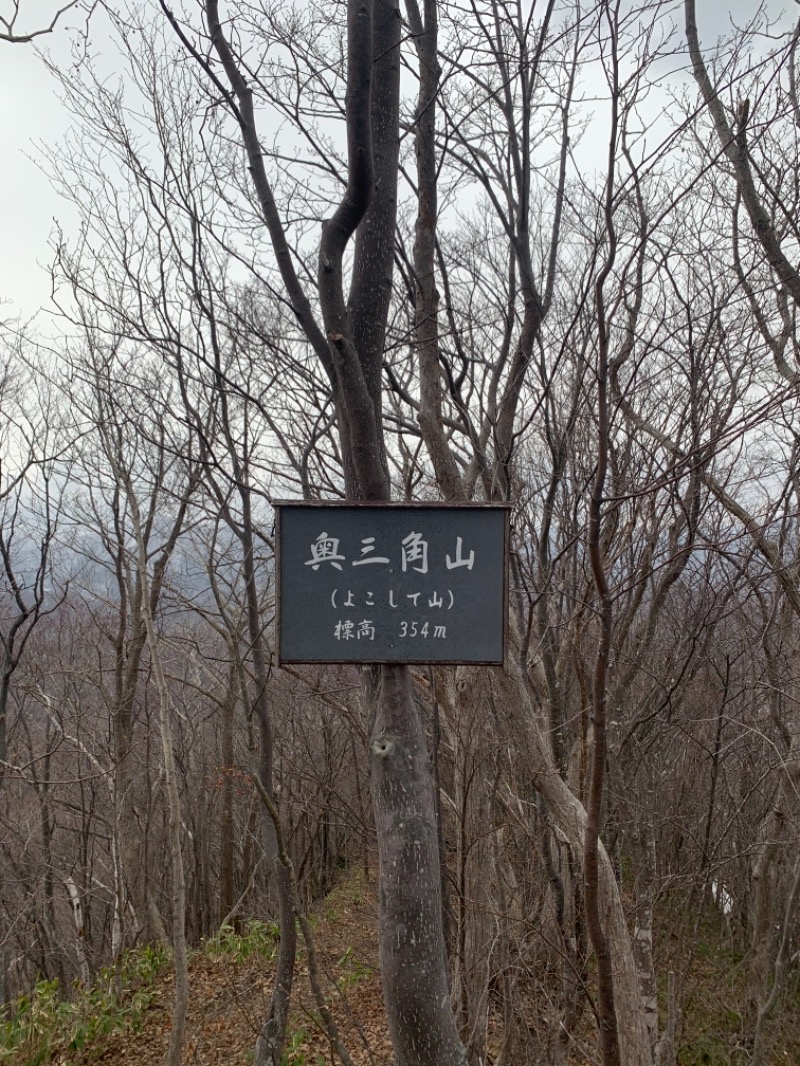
(257, 938)
(41, 1024)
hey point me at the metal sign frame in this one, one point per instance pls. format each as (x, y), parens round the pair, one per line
(400, 509)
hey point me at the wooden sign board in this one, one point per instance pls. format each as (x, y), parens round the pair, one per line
(392, 583)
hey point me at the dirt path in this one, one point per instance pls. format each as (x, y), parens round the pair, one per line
(229, 997)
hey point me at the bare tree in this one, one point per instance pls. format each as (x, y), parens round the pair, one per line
(350, 346)
(13, 32)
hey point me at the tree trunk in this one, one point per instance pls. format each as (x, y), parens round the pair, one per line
(412, 946)
(643, 929)
(226, 858)
(181, 961)
(529, 730)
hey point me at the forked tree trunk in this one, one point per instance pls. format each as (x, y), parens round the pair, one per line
(351, 350)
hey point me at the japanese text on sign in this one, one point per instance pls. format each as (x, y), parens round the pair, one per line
(393, 584)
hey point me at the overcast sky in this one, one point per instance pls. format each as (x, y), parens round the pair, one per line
(30, 113)
(27, 109)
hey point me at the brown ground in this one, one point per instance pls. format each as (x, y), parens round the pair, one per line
(229, 998)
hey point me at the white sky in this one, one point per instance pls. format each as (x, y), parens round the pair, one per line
(30, 113)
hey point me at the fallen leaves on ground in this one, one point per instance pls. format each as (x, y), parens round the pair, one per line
(229, 999)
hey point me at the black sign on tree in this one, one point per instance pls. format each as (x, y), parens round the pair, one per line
(392, 583)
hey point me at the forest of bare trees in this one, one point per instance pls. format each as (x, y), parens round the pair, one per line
(541, 254)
